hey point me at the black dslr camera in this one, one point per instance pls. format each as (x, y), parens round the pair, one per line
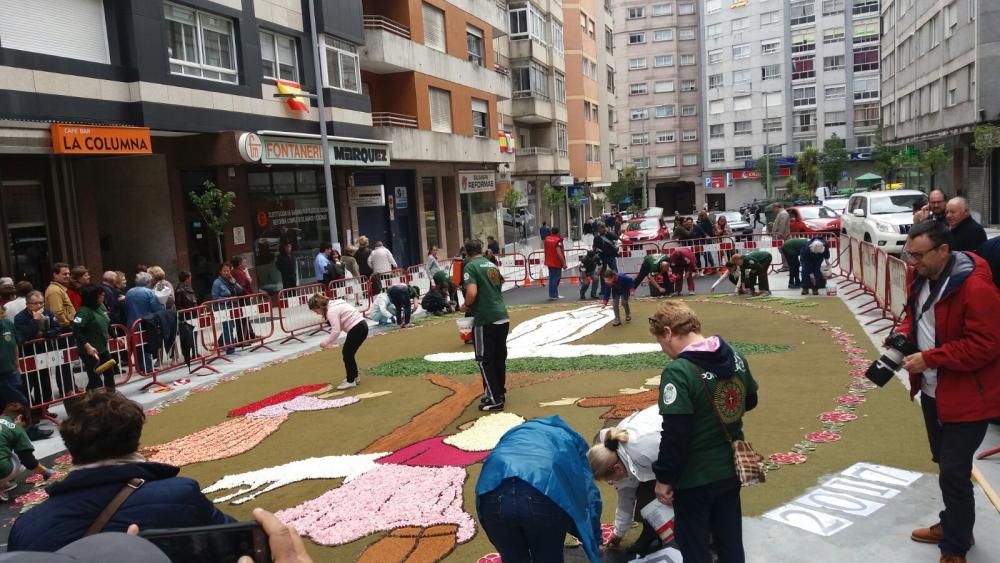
(897, 347)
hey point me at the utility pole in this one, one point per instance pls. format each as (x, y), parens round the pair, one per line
(323, 140)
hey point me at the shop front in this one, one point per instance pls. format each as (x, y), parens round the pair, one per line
(477, 190)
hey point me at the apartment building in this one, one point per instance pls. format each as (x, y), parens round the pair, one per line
(112, 113)
(781, 77)
(939, 81)
(659, 96)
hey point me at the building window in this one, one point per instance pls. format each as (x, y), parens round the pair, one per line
(770, 46)
(609, 40)
(666, 161)
(527, 22)
(833, 7)
(803, 12)
(200, 44)
(560, 88)
(713, 30)
(803, 67)
(690, 160)
(772, 124)
(772, 99)
(474, 44)
(434, 30)
(637, 38)
(742, 154)
(866, 115)
(835, 92)
(640, 163)
(440, 101)
(741, 51)
(531, 80)
(662, 60)
(342, 69)
(663, 10)
(803, 145)
(480, 118)
(805, 96)
(712, 6)
(866, 31)
(716, 107)
(636, 114)
(639, 89)
(866, 88)
(557, 37)
(739, 24)
(664, 86)
(715, 81)
(666, 137)
(689, 85)
(833, 35)
(687, 60)
(610, 81)
(742, 103)
(589, 152)
(803, 40)
(950, 18)
(834, 118)
(638, 63)
(770, 72)
(636, 13)
(743, 128)
(865, 7)
(864, 142)
(640, 138)
(741, 77)
(663, 35)
(835, 62)
(866, 58)
(689, 136)
(717, 156)
(562, 139)
(804, 122)
(716, 131)
(773, 150)
(686, 34)
(768, 18)
(278, 56)
(951, 90)
(685, 9)
(715, 56)
(666, 110)
(936, 95)
(689, 110)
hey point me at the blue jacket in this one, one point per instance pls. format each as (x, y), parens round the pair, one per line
(221, 289)
(622, 286)
(139, 302)
(551, 457)
(27, 328)
(163, 501)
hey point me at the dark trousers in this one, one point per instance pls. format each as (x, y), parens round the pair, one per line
(491, 355)
(400, 299)
(376, 285)
(712, 510)
(610, 263)
(952, 447)
(523, 524)
(10, 389)
(644, 271)
(588, 280)
(95, 380)
(355, 338)
(755, 276)
(792, 259)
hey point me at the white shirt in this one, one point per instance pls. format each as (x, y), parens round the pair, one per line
(927, 335)
(381, 260)
(14, 307)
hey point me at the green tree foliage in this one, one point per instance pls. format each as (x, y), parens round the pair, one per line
(887, 159)
(214, 206)
(933, 160)
(834, 161)
(513, 199)
(629, 179)
(807, 170)
(553, 196)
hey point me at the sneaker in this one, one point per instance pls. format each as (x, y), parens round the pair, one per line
(11, 487)
(616, 323)
(765, 293)
(4, 497)
(628, 318)
(490, 407)
(560, 297)
(347, 384)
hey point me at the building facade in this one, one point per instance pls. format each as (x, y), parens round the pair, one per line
(659, 100)
(940, 63)
(781, 77)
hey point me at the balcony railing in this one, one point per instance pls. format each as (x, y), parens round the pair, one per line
(389, 119)
(386, 24)
(535, 151)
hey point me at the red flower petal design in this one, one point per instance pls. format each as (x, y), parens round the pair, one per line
(822, 437)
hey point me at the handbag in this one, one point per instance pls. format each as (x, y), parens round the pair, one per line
(749, 464)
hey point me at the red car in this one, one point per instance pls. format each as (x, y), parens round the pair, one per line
(813, 219)
(644, 230)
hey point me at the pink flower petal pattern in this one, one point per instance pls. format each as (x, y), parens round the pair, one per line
(490, 558)
(822, 437)
(837, 416)
(788, 458)
(852, 400)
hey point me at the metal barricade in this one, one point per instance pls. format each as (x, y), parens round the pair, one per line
(630, 256)
(379, 282)
(514, 268)
(294, 316)
(538, 272)
(897, 278)
(356, 291)
(868, 272)
(154, 351)
(239, 322)
(417, 276)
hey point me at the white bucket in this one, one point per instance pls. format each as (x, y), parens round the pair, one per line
(831, 289)
(464, 326)
(661, 518)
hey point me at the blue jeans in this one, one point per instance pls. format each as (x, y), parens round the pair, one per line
(523, 524)
(555, 274)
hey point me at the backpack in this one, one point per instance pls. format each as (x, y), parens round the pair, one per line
(336, 271)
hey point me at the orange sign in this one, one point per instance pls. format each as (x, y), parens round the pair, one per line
(99, 139)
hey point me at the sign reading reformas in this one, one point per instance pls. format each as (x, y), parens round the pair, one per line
(476, 181)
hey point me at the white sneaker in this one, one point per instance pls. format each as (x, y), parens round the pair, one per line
(347, 384)
(10, 487)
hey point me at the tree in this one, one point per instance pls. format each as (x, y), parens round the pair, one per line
(553, 196)
(887, 159)
(765, 165)
(629, 179)
(932, 160)
(834, 161)
(807, 170)
(214, 206)
(512, 199)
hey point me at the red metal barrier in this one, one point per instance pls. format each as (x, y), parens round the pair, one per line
(151, 355)
(356, 291)
(294, 315)
(240, 321)
(514, 268)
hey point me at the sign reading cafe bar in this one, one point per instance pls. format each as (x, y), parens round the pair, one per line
(99, 139)
(298, 150)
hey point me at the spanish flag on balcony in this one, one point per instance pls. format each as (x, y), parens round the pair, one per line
(295, 103)
(506, 142)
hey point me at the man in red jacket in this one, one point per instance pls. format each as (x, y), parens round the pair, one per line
(951, 316)
(555, 260)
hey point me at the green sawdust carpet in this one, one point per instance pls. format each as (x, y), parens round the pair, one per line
(799, 367)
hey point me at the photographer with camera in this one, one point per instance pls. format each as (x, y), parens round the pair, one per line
(950, 316)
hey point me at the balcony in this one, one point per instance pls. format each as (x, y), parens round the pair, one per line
(493, 12)
(532, 108)
(541, 161)
(531, 49)
(388, 50)
(412, 144)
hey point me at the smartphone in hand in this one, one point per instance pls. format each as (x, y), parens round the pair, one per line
(224, 543)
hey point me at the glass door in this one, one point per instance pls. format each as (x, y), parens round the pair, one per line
(26, 232)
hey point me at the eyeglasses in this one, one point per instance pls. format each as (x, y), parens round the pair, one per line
(35, 302)
(918, 256)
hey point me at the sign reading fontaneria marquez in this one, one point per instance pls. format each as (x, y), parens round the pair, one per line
(291, 150)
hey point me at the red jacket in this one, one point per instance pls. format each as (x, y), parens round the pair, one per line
(554, 257)
(968, 334)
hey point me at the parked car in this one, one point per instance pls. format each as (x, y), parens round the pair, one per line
(736, 221)
(521, 216)
(837, 204)
(654, 212)
(644, 230)
(813, 219)
(882, 218)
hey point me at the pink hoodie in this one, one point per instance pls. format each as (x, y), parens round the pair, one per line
(343, 317)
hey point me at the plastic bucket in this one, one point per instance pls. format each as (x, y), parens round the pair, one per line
(661, 518)
(464, 328)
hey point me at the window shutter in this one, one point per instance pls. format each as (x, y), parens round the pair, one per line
(64, 28)
(481, 106)
(434, 28)
(440, 102)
